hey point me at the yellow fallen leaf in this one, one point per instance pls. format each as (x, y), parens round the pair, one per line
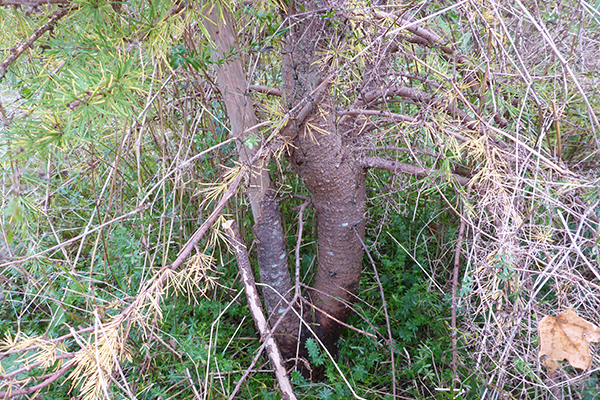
(568, 336)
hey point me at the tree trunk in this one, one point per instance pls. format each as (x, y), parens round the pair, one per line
(334, 177)
(268, 231)
(329, 170)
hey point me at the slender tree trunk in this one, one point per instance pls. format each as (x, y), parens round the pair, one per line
(329, 169)
(268, 231)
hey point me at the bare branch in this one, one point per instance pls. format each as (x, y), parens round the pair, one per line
(256, 309)
(379, 114)
(189, 246)
(51, 378)
(266, 90)
(419, 97)
(408, 169)
(396, 148)
(461, 232)
(10, 375)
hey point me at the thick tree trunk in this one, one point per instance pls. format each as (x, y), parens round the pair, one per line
(337, 186)
(330, 171)
(268, 231)
(334, 177)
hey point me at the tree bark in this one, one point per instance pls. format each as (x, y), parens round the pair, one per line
(329, 170)
(268, 231)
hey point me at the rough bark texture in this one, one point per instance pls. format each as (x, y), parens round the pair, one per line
(274, 274)
(337, 186)
(268, 231)
(329, 170)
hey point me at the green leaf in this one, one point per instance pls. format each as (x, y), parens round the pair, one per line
(251, 141)
(314, 352)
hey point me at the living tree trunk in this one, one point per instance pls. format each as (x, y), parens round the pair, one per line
(319, 154)
(327, 165)
(271, 246)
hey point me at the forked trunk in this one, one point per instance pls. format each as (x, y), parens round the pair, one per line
(327, 166)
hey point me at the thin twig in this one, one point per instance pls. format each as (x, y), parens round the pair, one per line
(192, 384)
(461, 232)
(385, 311)
(338, 321)
(17, 51)
(396, 148)
(297, 293)
(28, 368)
(298, 242)
(378, 113)
(153, 285)
(76, 238)
(348, 305)
(189, 246)
(51, 378)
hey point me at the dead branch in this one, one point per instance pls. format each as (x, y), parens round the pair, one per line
(17, 51)
(189, 246)
(32, 389)
(10, 375)
(386, 114)
(266, 90)
(300, 112)
(150, 286)
(408, 169)
(419, 97)
(461, 232)
(396, 148)
(424, 36)
(256, 309)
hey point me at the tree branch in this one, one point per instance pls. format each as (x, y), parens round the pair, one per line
(408, 169)
(255, 307)
(396, 148)
(454, 363)
(379, 114)
(51, 378)
(27, 368)
(266, 90)
(189, 246)
(17, 51)
(419, 97)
